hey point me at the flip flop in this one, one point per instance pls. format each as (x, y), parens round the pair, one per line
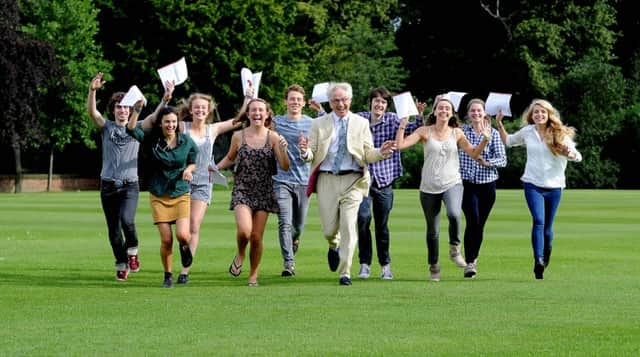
(253, 283)
(235, 269)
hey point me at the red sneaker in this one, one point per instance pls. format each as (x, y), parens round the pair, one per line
(134, 263)
(122, 275)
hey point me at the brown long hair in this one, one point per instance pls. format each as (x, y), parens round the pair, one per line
(243, 116)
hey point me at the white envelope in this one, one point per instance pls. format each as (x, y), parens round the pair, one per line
(246, 76)
(405, 105)
(496, 102)
(175, 72)
(455, 98)
(133, 95)
(218, 179)
(319, 93)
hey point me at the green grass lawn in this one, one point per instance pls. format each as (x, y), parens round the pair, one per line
(58, 295)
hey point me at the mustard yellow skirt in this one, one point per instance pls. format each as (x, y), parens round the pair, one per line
(167, 210)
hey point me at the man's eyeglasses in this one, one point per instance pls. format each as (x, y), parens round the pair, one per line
(340, 100)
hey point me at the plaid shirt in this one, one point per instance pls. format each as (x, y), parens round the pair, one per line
(384, 172)
(494, 154)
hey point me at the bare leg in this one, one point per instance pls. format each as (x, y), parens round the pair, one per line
(244, 224)
(166, 242)
(259, 223)
(198, 210)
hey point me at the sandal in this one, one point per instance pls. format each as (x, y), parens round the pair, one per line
(235, 269)
(253, 283)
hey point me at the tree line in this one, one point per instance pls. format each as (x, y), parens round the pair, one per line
(582, 56)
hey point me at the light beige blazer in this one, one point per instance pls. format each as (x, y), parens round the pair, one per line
(359, 144)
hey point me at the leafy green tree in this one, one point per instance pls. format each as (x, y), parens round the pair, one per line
(70, 27)
(568, 49)
(25, 65)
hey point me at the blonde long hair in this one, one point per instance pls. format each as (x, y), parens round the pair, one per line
(185, 108)
(555, 131)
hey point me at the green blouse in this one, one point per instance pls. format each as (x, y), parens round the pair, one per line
(166, 164)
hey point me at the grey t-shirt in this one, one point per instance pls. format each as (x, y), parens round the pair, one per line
(119, 153)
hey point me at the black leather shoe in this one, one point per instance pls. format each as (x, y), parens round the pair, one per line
(547, 257)
(186, 256)
(345, 281)
(538, 268)
(333, 257)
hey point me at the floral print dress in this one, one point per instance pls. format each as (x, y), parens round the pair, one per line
(253, 184)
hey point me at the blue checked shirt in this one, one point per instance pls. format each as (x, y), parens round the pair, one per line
(384, 172)
(494, 153)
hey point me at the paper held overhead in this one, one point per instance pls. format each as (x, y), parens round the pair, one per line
(454, 98)
(405, 105)
(248, 77)
(498, 102)
(175, 72)
(133, 95)
(319, 93)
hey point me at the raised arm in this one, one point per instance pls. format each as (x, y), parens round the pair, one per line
(147, 123)
(501, 129)
(133, 119)
(403, 142)
(317, 107)
(231, 124)
(96, 83)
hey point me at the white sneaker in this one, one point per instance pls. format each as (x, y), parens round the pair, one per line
(386, 272)
(470, 270)
(365, 271)
(434, 269)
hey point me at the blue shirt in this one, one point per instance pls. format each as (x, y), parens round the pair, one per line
(384, 172)
(494, 153)
(291, 129)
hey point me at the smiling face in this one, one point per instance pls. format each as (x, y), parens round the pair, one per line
(294, 103)
(200, 109)
(258, 113)
(444, 110)
(340, 102)
(121, 114)
(378, 106)
(476, 112)
(539, 115)
(169, 124)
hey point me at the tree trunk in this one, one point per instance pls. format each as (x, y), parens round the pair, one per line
(18, 162)
(50, 174)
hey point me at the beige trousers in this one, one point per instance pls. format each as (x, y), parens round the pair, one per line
(338, 202)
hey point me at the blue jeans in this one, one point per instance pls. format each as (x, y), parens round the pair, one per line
(294, 203)
(477, 202)
(119, 203)
(381, 199)
(543, 204)
(431, 206)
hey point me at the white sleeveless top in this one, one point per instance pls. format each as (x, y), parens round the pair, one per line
(441, 167)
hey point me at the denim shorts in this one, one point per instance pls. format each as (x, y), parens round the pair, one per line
(201, 192)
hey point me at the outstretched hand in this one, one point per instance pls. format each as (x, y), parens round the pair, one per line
(169, 86)
(97, 82)
(388, 147)
(317, 107)
(303, 144)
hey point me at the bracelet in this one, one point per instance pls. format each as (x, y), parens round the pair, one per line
(137, 110)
